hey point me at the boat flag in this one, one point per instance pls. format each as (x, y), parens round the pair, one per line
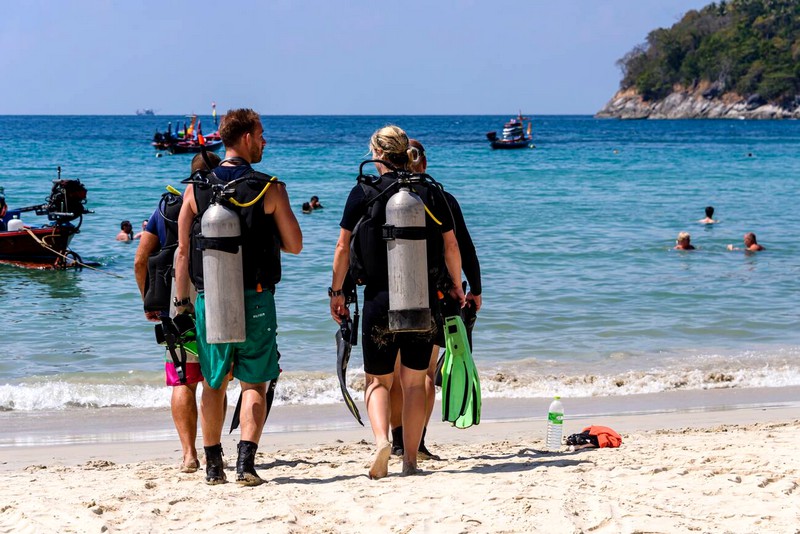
(214, 112)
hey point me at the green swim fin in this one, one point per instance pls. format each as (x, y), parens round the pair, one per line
(457, 373)
(472, 413)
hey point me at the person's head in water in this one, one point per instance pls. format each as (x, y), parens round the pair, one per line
(418, 162)
(199, 162)
(390, 143)
(125, 231)
(750, 242)
(307, 207)
(243, 134)
(684, 242)
(315, 203)
(710, 212)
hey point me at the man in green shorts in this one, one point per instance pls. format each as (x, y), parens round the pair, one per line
(267, 227)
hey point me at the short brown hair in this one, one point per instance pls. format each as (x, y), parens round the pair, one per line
(199, 163)
(236, 123)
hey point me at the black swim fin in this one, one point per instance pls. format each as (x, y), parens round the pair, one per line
(344, 345)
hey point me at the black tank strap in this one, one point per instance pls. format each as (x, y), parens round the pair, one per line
(390, 232)
(226, 244)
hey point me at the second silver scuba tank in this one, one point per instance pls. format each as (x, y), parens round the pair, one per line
(223, 279)
(407, 257)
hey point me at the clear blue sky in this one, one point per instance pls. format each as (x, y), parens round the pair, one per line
(320, 56)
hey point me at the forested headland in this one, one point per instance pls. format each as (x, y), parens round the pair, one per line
(739, 58)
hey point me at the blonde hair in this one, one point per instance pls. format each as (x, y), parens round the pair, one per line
(682, 236)
(391, 142)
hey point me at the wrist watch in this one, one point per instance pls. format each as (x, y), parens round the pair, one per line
(180, 303)
(332, 293)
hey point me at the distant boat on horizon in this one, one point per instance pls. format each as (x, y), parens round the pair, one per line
(145, 111)
(513, 134)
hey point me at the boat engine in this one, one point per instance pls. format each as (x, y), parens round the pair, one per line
(66, 201)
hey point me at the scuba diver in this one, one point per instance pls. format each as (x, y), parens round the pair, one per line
(243, 219)
(368, 260)
(472, 270)
(153, 270)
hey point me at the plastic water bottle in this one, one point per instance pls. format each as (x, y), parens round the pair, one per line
(555, 424)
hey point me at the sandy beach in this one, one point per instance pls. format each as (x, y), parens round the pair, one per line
(723, 465)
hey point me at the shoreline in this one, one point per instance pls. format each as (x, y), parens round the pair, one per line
(67, 436)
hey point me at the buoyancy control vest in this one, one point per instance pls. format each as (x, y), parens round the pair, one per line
(260, 240)
(368, 255)
(158, 284)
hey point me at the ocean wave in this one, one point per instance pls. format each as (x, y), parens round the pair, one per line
(528, 379)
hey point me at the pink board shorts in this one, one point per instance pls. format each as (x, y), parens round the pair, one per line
(193, 374)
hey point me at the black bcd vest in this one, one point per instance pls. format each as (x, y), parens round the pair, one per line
(158, 284)
(261, 244)
(368, 259)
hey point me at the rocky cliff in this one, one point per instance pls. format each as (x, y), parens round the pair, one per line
(703, 102)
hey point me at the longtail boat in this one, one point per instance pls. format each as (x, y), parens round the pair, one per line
(45, 245)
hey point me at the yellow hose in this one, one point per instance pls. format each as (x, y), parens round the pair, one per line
(431, 215)
(260, 195)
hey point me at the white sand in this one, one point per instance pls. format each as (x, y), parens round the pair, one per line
(725, 470)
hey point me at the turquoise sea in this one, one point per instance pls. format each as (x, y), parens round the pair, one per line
(583, 294)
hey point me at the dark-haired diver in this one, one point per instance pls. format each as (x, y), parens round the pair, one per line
(161, 232)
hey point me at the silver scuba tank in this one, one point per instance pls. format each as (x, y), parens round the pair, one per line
(407, 257)
(223, 280)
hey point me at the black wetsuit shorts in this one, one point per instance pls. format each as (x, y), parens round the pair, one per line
(380, 347)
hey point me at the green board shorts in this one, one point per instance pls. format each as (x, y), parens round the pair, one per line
(254, 360)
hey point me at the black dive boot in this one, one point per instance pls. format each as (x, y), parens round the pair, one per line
(245, 465)
(215, 469)
(397, 441)
(423, 451)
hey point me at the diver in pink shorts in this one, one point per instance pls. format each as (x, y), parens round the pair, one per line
(182, 369)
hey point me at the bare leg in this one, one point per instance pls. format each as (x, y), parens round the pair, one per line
(184, 415)
(254, 410)
(212, 413)
(377, 401)
(414, 415)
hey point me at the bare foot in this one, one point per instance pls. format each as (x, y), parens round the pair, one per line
(410, 469)
(380, 465)
(190, 466)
